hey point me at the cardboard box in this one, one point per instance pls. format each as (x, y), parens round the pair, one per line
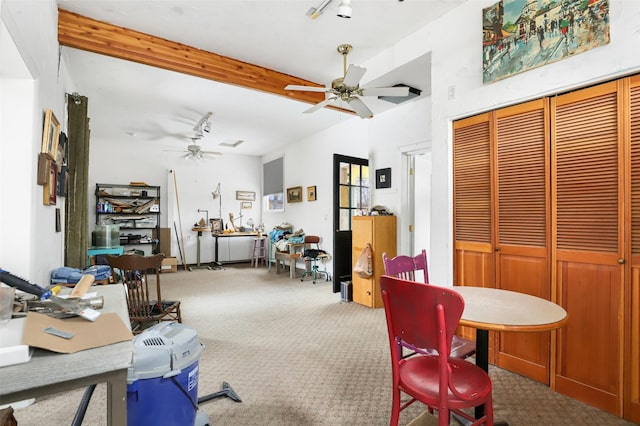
(169, 264)
(165, 241)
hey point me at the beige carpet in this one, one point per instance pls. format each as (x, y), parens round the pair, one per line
(296, 355)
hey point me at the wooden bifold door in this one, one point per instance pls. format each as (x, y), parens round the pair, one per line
(547, 202)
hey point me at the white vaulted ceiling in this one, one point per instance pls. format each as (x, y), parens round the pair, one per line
(131, 100)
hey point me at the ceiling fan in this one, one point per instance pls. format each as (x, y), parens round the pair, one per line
(195, 151)
(347, 88)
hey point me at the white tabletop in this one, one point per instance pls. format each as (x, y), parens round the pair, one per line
(504, 310)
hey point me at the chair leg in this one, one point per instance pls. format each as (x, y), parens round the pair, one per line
(443, 417)
(395, 408)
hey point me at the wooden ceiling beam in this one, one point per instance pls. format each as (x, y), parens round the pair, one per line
(84, 33)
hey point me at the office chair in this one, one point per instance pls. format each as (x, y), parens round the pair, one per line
(311, 255)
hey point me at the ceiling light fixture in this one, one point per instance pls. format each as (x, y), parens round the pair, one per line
(314, 12)
(203, 125)
(344, 10)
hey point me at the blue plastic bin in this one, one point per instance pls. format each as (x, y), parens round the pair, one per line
(162, 384)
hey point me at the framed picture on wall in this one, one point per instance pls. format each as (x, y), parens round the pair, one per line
(51, 185)
(383, 178)
(245, 195)
(311, 193)
(50, 134)
(294, 194)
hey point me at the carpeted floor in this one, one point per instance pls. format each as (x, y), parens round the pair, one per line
(296, 355)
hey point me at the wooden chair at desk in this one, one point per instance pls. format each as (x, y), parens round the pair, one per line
(136, 273)
(409, 268)
(426, 316)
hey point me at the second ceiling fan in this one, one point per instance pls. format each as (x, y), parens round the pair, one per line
(195, 151)
(347, 88)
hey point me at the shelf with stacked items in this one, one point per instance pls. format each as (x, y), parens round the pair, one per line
(134, 208)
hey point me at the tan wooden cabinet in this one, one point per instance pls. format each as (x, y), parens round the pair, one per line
(380, 232)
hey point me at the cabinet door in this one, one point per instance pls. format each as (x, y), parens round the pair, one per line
(472, 221)
(240, 248)
(587, 198)
(632, 287)
(362, 234)
(522, 199)
(223, 249)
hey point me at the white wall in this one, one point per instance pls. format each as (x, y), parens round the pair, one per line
(310, 162)
(133, 160)
(30, 245)
(454, 43)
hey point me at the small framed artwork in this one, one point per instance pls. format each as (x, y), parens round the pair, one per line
(245, 195)
(58, 222)
(60, 150)
(245, 205)
(311, 193)
(62, 181)
(383, 178)
(294, 194)
(50, 135)
(44, 168)
(51, 185)
(216, 226)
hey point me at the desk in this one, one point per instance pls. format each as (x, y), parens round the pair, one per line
(49, 372)
(503, 310)
(237, 247)
(94, 251)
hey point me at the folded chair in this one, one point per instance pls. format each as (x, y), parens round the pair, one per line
(426, 316)
(412, 269)
(138, 274)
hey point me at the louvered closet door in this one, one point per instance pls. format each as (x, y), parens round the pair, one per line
(586, 174)
(522, 203)
(473, 257)
(632, 291)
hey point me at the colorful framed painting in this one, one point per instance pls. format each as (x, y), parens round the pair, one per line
(520, 35)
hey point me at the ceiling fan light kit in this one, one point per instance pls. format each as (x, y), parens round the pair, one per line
(347, 88)
(344, 10)
(413, 93)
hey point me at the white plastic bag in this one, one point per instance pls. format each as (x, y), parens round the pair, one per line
(363, 265)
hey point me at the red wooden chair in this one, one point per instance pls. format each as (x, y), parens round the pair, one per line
(426, 316)
(409, 268)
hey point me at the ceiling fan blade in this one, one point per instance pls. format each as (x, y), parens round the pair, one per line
(306, 88)
(320, 105)
(216, 153)
(385, 91)
(353, 76)
(360, 108)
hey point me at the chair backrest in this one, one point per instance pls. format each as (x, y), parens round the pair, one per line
(405, 267)
(311, 239)
(136, 272)
(423, 316)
